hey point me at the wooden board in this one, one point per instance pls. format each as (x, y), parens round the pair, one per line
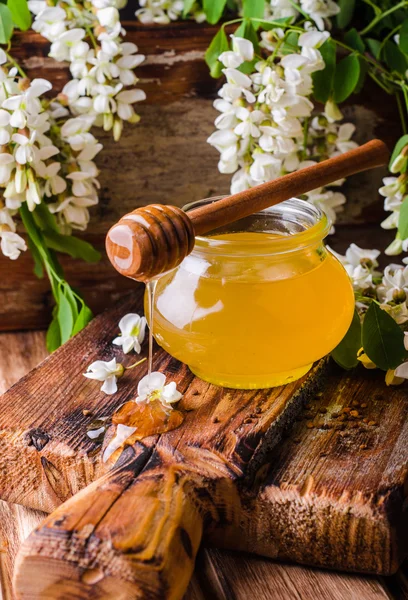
(144, 519)
(218, 573)
(348, 517)
(166, 159)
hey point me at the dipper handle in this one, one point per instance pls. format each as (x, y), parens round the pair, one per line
(154, 239)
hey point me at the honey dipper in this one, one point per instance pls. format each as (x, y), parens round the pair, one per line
(156, 238)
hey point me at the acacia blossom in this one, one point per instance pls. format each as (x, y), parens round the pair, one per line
(102, 65)
(266, 126)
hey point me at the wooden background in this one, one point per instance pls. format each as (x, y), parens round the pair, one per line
(166, 159)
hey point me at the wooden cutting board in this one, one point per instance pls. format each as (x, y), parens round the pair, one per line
(333, 496)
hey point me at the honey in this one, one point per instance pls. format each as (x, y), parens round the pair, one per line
(255, 308)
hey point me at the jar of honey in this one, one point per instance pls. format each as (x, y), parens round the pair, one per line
(256, 303)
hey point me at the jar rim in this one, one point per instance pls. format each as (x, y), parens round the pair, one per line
(319, 228)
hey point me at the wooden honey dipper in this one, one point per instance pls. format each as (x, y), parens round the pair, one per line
(156, 238)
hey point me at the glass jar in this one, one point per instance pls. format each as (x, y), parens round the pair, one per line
(257, 302)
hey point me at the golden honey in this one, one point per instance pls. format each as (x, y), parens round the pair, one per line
(255, 306)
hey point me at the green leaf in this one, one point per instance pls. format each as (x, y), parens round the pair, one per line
(219, 44)
(354, 40)
(6, 24)
(363, 74)
(64, 315)
(403, 141)
(254, 8)
(345, 354)
(394, 58)
(71, 245)
(29, 225)
(345, 15)
(84, 317)
(403, 37)
(44, 218)
(20, 13)
(323, 80)
(383, 340)
(374, 47)
(188, 5)
(53, 338)
(403, 220)
(69, 294)
(346, 77)
(291, 43)
(213, 10)
(38, 265)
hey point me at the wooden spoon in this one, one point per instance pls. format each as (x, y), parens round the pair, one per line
(156, 238)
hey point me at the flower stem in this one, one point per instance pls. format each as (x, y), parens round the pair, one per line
(135, 364)
(15, 64)
(401, 112)
(381, 16)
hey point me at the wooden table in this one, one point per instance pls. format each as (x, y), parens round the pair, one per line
(219, 575)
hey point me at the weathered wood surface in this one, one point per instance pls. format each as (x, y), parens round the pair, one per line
(51, 457)
(140, 525)
(165, 158)
(223, 575)
(337, 482)
(219, 575)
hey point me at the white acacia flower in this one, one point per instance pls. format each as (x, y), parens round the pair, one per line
(26, 150)
(344, 135)
(11, 244)
(248, 120)
(238, 84)
(265, 167)
(73, 211)
(132, 328)
(313, 38)
(108, 17)
(242, 50)
(104, 69)
(62, 46)
(360, 265)
(33, 194)
(108, 372)
(7, 165)
(27, 103)
(394, 286)
(6, 219)
(227, 119)
(152, 387)
(125, 99)
(54, 183)
(128, 62)
(320, 11)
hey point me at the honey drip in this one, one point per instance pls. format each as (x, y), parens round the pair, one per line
(133, 421)
(148, 418)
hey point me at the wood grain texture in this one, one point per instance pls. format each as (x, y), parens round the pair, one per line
(134, 532)
(338, 482)
(219, 575)
(165, 159)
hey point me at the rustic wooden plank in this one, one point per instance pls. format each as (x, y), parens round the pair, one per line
(43, 475)
(16, 523)
(236, 576)
(277, 580)
(337, 481)
(220, 443)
